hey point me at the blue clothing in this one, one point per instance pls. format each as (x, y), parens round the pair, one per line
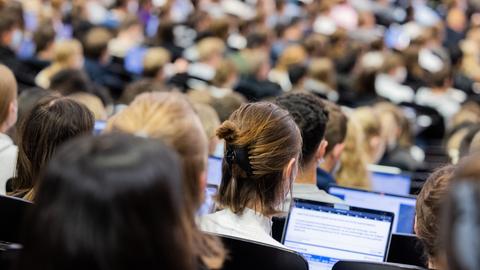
(324, 179)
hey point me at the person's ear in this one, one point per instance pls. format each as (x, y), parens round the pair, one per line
(12, 114)
(321, 150)
(338, 150)
(291, 170)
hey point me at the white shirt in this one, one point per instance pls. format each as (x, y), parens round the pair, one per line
(387, 87)
(8, 160)
(313, 193)
(249, 225)
(447, 104)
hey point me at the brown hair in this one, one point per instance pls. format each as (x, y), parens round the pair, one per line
(8, 92)
(262, 138)
(95, 42)
(50, 123)
(323, 70)
(336, 130)
(428, 209)
(171, 118)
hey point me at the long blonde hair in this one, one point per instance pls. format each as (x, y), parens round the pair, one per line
(353, 169)
(171, 118)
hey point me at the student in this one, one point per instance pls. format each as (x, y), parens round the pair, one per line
(428, 211)
(335, 134)
(262, 148)
(309, 113)
(51, 122)
(294, 54)
(369, 122)
(110, 202)
(389, 82)
(68, 54)
(8, 118)
(210, 122)
(439, 94)
(460, 218)
(170, 117)
(352, 171)
(322, 79)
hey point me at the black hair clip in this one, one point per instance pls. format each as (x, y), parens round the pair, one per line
(238, 156)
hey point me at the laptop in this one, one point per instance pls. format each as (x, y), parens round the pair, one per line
(402, 206)
(326, 233)
(214, 170)
(208, 205)
(390, 180)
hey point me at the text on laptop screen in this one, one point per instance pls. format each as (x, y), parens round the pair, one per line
(391, 183)
(325, 234)
(402, 206)
(214, 171)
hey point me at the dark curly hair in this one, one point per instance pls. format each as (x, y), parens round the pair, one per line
(310, 114)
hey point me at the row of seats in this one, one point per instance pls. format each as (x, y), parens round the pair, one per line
(243, 253)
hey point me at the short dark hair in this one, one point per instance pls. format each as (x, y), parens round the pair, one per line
(309, 113)
(43, 36)
(95, 42)
(101, 196)
(7, 22)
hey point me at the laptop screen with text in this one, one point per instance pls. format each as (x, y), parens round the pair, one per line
(402, 206)
(325, 233)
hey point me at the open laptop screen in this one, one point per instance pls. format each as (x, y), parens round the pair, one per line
(402, 206)
(390, 180)
(325, 233)
(208, 205)
(214, 171)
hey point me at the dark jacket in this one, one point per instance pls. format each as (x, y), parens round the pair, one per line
(23, 73)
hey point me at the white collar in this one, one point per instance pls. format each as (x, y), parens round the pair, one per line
(252, 218)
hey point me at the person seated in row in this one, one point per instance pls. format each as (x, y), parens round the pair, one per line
(309, 113)
(335, 135)
(262, 150)
(428, 211)
(169, 117)
(8, 118)
(53, 121)
(110, 202)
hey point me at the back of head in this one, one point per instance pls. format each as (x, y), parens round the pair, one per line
(336, 129)
(8, 96)
(50, 123)
(70, 81)
(93, 103)
(353, 169)
(210, 122)
(323, 70)
(227, 104)
(138, 87)
(309, 113)
(261, 139)
(65, 50)
(369, 121)
(428, 210)
(101, 196)
(171, 118)
(461, 217)
(294, 54)
(209, 47)
(154, 61)
(96, 41)
(43, 36)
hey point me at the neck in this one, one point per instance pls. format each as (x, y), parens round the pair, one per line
(328, 164)
(3, 128)
(308, 174)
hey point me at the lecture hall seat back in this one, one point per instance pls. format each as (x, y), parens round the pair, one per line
(244, 254)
